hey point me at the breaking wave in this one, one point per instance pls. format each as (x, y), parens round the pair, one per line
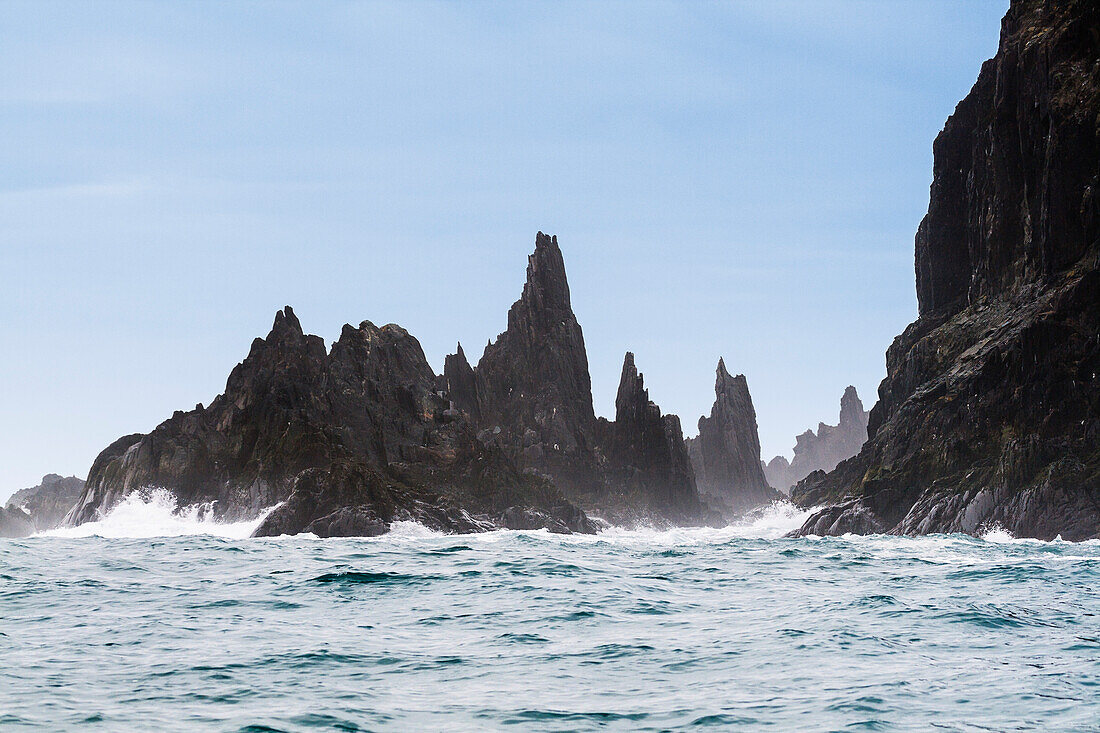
(154, 513)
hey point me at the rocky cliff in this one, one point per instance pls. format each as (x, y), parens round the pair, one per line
(990, 411)
(823, 450)
(349, 440)
(645, 454)
(726, 454)
(46, 505)
(531, 396)
(363, 422)
(534, 390)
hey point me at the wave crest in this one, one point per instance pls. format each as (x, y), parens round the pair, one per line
(155, 513)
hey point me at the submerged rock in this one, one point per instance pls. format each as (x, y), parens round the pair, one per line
(726, 454)
(823, 450)
(990, 410)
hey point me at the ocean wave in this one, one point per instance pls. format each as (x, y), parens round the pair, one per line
(155, 513)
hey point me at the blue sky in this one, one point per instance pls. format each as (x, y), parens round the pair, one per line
(739, 179)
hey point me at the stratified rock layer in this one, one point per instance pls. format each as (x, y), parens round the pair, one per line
(726, 454)
(823, 450)
(990, 411)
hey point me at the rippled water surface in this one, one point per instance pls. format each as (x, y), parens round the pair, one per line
(718, 629)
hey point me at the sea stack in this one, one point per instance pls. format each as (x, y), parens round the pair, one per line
(823, 450)
(726, 454)
(990, 410)
(534, 390)
(645, 450)
(347, 442)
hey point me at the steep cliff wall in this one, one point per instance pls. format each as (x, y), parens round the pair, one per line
(990, 411)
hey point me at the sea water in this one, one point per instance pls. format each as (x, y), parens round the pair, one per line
(154, 619)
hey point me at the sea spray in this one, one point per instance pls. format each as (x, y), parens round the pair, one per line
(154, 513)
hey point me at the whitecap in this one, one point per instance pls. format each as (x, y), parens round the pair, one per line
(154, 513)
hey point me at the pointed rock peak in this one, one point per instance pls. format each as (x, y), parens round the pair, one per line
(546, 282)
(851, 407)
(724, 381)
(628, 363)
(286, 323)
(630, 383)
(456, 360)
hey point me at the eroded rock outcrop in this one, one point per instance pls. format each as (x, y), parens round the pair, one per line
(531, 396)
(322, 432)
(823, 450)
(645, 452)
(44, 506)
(534, 390)
(990, 411)
(14, 522)
(726, 454)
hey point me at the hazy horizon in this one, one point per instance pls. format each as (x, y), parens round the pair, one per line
(738, 180)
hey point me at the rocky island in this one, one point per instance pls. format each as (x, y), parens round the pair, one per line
(990, 410)
(347, 441)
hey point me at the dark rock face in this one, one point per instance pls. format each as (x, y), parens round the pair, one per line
(534, 391)
(47, 504)
(823, 450)
(350, 440)
(990, 411)
(531, 396)
(726, 455)
(645, 451)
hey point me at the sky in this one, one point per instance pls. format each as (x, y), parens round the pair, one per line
(738, 179)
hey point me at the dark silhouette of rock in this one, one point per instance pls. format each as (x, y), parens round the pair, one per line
(823, 450)
(47, 504)
(351, 440)
(990, 410)
(461, 384)
(531, 396)
(296, 422)
(645, 452)
(534, 391)
(726, 455)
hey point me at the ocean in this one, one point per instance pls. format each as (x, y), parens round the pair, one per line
(156, 620)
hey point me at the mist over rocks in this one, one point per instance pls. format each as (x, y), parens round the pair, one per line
(42, 507)
(645, 450)
(823, 450)
(726, 454)
(990, 410)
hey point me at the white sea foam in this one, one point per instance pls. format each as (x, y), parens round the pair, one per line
(154, 513)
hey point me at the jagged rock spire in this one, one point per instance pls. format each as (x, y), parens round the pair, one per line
(726, 455)
(533, 382)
